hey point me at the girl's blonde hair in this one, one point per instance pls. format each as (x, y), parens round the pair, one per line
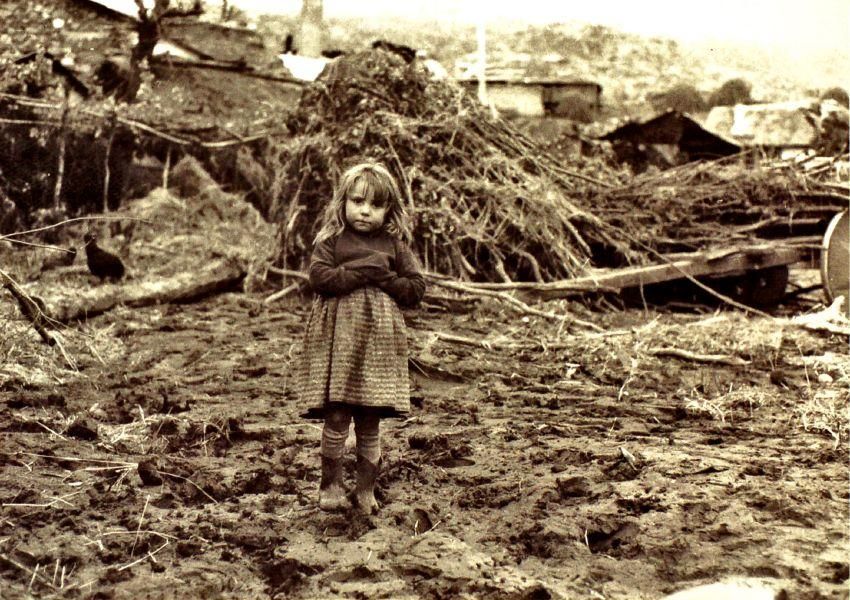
(382, 189)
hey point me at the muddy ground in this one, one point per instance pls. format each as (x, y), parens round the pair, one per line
(551, 462)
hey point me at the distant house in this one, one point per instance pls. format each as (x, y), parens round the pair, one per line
(777, 128)
(668, 139)
(533, 97)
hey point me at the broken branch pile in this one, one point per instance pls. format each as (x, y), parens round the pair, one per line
(701, 205)
(486, 203)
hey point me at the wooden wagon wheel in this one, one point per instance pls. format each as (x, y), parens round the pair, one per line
(835, 259)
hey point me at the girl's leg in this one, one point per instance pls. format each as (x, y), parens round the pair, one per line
(366, 428)
(334, 433)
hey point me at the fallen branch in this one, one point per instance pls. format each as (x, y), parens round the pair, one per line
(472, 289)
(722, 359)
(32, 308)
(11, 236)
(182, 287)
(495, 344)
(289, 273)
(34, 574)
(282, 293)
(517, 304)
(148, 555)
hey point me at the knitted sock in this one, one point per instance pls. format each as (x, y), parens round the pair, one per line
(366, 428)
(334, 434)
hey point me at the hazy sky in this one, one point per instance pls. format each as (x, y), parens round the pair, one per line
(796, 24)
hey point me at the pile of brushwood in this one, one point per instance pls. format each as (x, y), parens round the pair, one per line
(486, 203)
(490, 204)
(707, 204)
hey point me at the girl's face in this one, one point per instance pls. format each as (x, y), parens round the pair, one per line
(361, 212)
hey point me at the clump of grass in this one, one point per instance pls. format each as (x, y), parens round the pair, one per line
(827, 412)
(706, 406)
(825, 405)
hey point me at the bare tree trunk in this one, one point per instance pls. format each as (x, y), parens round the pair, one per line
(60, 167)
(106, 173)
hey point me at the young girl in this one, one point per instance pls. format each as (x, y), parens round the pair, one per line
(355, 346)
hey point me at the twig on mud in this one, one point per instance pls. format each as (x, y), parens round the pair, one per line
(105, 468)
(53, 501)
(164, 536)
(486, 344)
(515, 302)
(126, 471)
(200, 489)
(148, 555)
(282, 293)
(34, 573)
(723, 359)
(430, 529)
(289, 273)
(56, 433)
(139, 528)
(118, 463)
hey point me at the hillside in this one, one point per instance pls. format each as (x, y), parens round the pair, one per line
(628, 66)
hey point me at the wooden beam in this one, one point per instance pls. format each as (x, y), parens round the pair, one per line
(714, 263)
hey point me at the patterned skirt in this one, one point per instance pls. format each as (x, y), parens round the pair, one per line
(355, 353)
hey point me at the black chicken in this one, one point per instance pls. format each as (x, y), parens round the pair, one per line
(102, 264)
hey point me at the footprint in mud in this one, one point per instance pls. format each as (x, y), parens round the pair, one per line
(34, 400)
(543, 540)
(451, 462)
(441, 450)
(624, 466)
(614, 538)
(285, 576)
(495, 495)
(351, 525)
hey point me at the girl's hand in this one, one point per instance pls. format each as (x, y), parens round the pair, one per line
(375, 267)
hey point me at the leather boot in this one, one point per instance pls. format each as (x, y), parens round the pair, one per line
(331, 492)
(364, 493)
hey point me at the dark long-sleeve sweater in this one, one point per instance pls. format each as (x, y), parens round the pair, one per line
(341, 264)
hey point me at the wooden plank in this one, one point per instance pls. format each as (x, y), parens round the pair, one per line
(714, 263)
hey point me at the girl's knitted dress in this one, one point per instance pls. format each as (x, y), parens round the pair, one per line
(355, 345)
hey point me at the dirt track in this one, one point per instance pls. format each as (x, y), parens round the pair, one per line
(588, 469)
